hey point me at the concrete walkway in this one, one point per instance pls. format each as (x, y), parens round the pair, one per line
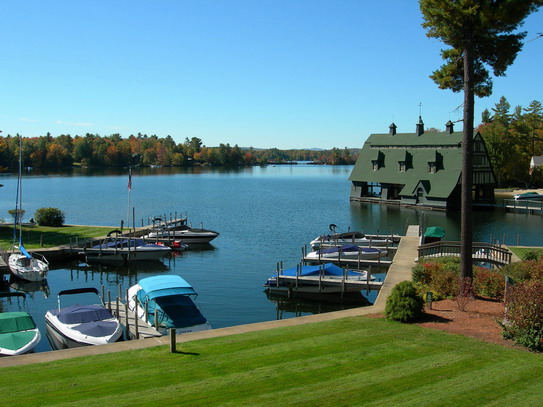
(400, 270)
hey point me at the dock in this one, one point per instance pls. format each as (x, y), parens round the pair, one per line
(135, 326)
(322, 284)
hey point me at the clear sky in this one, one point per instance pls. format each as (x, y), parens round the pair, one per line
(261, 73)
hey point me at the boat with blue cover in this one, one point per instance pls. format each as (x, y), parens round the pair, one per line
(123, 249)
(346, 252)
(81, 325)
(169, 298)
(309, 277)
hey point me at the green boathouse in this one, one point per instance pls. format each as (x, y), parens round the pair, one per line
(419, 169)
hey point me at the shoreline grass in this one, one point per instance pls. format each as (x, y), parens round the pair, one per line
(50, 236)
(346, 362)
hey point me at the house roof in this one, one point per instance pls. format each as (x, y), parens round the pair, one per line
(423, 150)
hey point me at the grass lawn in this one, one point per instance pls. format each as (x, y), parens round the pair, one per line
(51, 236)
(521, 251)
(347, 362)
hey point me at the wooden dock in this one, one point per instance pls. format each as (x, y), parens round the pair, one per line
(135, 326)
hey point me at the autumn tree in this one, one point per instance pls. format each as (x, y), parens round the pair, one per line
(481, 35)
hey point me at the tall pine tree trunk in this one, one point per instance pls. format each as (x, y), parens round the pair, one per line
(466, 221)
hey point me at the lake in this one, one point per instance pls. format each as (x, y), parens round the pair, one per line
(264, 215)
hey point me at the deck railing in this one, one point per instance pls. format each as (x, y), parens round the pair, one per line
(482, 252)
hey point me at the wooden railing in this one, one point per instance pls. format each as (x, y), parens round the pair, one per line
(481, 252)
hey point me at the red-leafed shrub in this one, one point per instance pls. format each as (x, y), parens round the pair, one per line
(488, 283)
(523, 321)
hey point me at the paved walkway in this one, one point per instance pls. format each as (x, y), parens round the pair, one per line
(400, 270)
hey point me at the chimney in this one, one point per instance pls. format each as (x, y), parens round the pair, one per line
(392, 129)
(420, 127)
(449, 127)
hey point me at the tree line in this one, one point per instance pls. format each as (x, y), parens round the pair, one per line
(115, 151)
(512, 138)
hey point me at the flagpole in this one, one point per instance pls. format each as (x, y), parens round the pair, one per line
(129, 189)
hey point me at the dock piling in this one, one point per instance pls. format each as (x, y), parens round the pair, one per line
(172, 340)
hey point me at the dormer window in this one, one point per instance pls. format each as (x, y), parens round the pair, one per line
(436, 163)
(378, 162)
(405, 162)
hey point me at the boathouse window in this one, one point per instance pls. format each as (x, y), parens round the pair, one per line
(432, 167)
(375, 164)
(402, 166)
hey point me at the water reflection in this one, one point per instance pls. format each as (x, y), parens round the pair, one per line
(30, 287)
(304, 304)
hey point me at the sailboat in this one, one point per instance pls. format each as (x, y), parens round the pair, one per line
(27, 266)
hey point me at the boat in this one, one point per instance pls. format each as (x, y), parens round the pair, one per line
(184, 233)
(170, 299)
(18, 331)
(23, 264)
(346, 252)
(349, 237)
(356, 238)
(81, 325)
(532, 196)
(309, 277)
(120, 249)
(432, 234)
(179, 231)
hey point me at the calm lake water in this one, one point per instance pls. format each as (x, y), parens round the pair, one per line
(264, 215)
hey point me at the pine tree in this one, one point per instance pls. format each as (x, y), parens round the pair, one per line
(481, 36)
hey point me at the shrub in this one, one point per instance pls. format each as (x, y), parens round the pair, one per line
(403, 303)
(523, 321)
(524, 270)
(532, 255)
(49, 217)
(488, 283)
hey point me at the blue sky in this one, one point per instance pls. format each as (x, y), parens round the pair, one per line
(261, 73)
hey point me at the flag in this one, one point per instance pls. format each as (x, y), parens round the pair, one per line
(130, 179)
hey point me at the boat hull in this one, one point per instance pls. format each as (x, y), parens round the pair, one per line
(26, 348)
(362, 255)
(190, 236)
(63, 336)
(123, 256)
(27, 269)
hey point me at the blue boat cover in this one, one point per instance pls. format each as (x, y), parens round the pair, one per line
(349, 248)
(78, 314)
(175, 311)
(329, 270)
(163, 286)
(98, 328)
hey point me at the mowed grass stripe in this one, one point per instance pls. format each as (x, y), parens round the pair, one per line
(353, 361)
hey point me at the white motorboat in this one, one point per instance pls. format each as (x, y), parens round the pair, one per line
(346, 252)
(81, 325)
(123, 250)
(18, 331)
(354, 238)
(183, 233)
(169, 298)
(531, 196)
